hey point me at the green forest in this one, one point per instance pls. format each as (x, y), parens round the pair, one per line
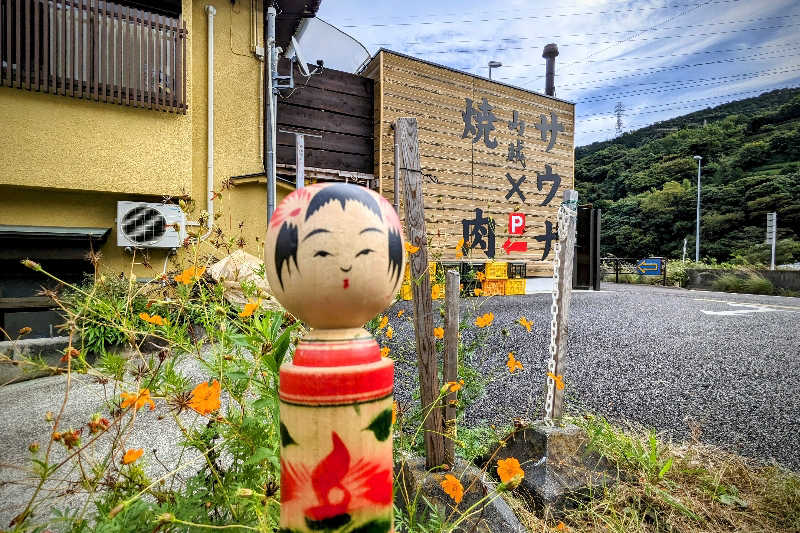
(645, 182)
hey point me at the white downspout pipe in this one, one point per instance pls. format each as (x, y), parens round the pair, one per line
(210, 12)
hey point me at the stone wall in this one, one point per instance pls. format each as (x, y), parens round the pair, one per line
(703, 279)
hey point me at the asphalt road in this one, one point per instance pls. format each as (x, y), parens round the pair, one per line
(657, 357)
(654, 356)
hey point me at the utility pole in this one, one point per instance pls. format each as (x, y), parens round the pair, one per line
(772, 235)
(697, 233)
(684, 250)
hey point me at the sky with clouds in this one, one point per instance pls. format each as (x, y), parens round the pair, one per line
(660, 58)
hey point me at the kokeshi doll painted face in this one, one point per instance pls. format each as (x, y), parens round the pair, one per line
(334, 254)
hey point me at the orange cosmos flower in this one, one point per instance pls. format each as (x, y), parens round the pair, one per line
(525, 323)
(250, 307)
(154, 319)
(410, 248)
(400, 313)
(394, 413)
(480, 276)
(438, 333)
(477, 291)
(137, 400)
(385, 351)
(512, 363)
(559, 380)
(389, 332)
(484, 320)
(453, 488)
(188, 276)
(383, 322)
(561, 526)
(455, 385)
(510, 472)
(205, 397)
(131, 456)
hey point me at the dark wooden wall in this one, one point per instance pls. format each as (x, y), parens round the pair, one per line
(336, 105)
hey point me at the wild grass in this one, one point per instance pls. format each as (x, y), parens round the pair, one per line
(675, 487)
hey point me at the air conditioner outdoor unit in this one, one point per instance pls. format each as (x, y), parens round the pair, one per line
(150, 225)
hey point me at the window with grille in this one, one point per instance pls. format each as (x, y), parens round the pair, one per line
(95, 50)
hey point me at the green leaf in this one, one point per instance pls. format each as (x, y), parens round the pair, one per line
(261, 455)
(381, 425)
(281, 347)
(665, 468)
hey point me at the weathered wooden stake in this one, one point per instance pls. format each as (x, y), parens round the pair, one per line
(559, 329)
(334, 258)
(450, 369)
(406, 131)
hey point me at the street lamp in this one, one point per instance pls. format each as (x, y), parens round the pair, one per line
(493, 64)
(697, 235)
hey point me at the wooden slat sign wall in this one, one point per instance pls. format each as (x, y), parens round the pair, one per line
(488, 151)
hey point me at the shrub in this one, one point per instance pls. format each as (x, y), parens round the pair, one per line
(755, 284)
(728, 282)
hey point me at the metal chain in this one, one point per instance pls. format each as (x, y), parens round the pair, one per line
(563, 217)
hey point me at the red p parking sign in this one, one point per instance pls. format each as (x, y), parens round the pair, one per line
(516, 223)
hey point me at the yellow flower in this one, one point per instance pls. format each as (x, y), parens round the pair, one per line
(455, 385)
(526, 323)
(188, 276)
(453, 488)
(410, 248)
(389, 332)
(480, 276)
(477, 291)
(400, 313)
(250, 307)
(385, 351)
(484, 320)
(512, 363)
(137, 400)
(131, 456)
(559, 380)
(510, 472)
(205, 397)
(438, 333)
(155, 319)
(384, 321)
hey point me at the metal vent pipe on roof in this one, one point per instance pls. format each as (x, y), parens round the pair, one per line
(550, 52)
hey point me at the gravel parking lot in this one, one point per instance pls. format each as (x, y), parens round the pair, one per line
(655, 356)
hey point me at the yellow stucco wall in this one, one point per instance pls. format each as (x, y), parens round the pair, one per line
(69, 161)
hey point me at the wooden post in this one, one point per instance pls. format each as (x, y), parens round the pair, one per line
(408, 145)
(450, 369)
(558, 360)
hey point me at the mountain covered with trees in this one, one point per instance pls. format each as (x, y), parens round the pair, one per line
(645, 181)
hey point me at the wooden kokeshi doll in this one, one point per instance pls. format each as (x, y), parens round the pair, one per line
(334, 258)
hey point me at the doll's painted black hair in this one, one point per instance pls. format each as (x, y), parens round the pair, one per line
(287, 242)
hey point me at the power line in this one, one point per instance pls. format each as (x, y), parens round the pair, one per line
(673, 67)
(517, 18)
(506, 48)
(600, 116)
(665, 69)
(687, 84)
(617, 32)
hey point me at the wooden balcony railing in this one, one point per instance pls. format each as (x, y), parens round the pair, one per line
(94, 50)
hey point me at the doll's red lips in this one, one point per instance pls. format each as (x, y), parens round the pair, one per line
(346, 283)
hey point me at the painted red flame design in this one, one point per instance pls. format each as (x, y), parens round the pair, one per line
(338, 487)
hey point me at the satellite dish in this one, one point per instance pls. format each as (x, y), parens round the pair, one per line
(298, 57)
